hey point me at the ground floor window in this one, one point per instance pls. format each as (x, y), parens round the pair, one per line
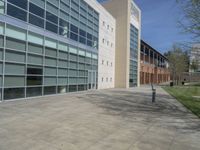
(14, 93)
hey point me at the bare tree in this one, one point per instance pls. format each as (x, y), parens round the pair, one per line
(178, 62)
(190, 22)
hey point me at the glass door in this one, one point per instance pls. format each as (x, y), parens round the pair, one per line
(92, 79)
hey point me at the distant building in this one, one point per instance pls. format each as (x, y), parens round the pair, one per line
(154, 66)
(195, 56)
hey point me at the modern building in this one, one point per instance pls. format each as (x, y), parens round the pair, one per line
(195, 57)
(128, 31)
(154, 66)
(55, 46)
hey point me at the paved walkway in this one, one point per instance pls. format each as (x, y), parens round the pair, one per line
(101, 120)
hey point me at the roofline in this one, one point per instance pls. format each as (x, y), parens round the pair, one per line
(142, 41)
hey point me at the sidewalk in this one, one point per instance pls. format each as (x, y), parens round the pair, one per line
(114, 119)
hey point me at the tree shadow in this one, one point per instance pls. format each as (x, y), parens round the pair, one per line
(138, 106)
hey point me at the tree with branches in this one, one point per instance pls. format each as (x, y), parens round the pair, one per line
(178, 62)
(190, 23)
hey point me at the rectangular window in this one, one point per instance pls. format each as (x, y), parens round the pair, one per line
(72, 73)
(34, 80)
(1, 41)
(36, 10)
(50, 71)
(73, 65)
(49, 90)
(72, 88)
(14, 81)
(50, 81)
(63, 32)
(34, 59)
(36, 21)
(51, 27)
(50, 62)
(73, 29)
(50, 52)
(40, 3)
(73, 36)
(16, 12)
(73, 57)
(2, 7)
(63, 55)
(62, 81)
(35, 48)
(62, 72)
(15, 56)
(33, 91)
(52, 18)
(62, 89)
(63, 63)
(14, 93)
(32, 70)
(1, 54)
(15, 44)
(34, 38)
(16, 33)
(12, 69)
(52, 8)
(19, 3)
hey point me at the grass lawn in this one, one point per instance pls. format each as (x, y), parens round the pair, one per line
(184, 94)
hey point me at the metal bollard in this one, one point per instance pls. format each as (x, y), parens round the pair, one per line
(153, 95)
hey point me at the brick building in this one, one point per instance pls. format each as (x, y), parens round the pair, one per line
(154, 66)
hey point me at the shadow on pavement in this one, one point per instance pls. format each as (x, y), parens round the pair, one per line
(137, 106)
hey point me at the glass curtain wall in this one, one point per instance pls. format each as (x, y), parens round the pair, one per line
(73, 19)
(133, 56)
(34, 65)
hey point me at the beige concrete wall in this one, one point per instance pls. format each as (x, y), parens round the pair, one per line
(120, 9)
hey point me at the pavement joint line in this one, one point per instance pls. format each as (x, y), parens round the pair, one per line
(140, 137)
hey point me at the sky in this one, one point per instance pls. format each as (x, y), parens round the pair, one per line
(159, 23)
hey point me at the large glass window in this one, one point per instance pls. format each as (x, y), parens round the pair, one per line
(36, 21)
(15, 56)
(19, 3)
(51, 27)
(14, 81)
(13, 69)
(16, 12)
(52, 18)
(34, 80)
(74, 29)
(35, 59)
(2, 7)
(31, 70)
(33, 48)
(49, 90)
(36, 10)
(33, 91)
(40, 3)
(73, 36)
(14, 93)
(15, 44)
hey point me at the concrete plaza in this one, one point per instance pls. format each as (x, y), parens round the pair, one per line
(114, 119)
